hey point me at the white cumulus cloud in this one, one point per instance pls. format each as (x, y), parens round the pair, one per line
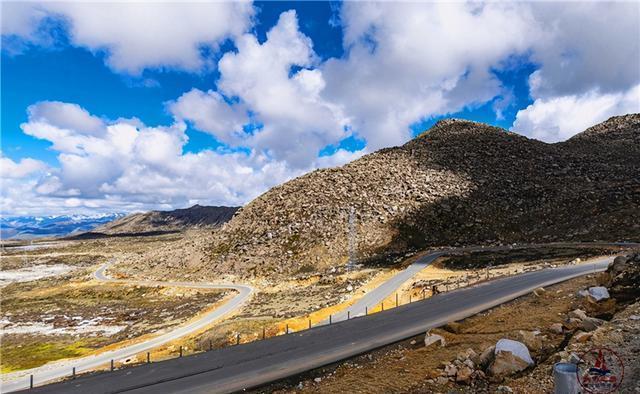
(131, 166)
(559, 118)
(136, 35)
(23, 168)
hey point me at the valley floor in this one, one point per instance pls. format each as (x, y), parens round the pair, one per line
(68, 314)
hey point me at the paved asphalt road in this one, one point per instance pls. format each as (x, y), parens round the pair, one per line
(62, 369)
(253, 364)
(375, 296)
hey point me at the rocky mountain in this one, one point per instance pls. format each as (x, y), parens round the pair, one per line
(458, 183)
(179, 219)
(29, 227)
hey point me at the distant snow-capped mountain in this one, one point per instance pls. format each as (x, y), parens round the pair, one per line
(27, 227)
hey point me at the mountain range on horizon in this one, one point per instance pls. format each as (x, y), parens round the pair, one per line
(31, 227)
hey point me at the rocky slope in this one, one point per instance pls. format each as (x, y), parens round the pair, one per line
(179, 219)
(460, 182)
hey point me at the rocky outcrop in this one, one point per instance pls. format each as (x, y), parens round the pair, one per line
(458, 183)
(623, 278)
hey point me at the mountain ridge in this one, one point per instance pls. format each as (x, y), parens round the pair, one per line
(460, 182)
(196, 216)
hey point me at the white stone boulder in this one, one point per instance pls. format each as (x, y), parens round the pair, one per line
(510, 357)
(599, 293)
(518, 349)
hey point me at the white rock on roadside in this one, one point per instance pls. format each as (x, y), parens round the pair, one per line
(431, 339)
(599, 293)
(518, 349)
(510, 357)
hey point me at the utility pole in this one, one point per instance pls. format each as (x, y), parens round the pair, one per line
(352, 240)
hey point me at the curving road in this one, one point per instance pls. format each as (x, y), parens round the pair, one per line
(253, 364)
(377, 295)
(61, 369)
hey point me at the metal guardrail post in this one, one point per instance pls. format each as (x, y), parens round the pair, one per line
(148, 358)
(238, 339)
(330, 319)
(73, 373)
(264, 332)
(396, 300)
(112, 366)
(366, 310)
(210, 344)
(348, 315)
(30, 381)
(309, 323)
(286, 329)
(180, 351)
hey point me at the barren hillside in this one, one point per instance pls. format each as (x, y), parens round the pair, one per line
(458, 183)
(179, 219)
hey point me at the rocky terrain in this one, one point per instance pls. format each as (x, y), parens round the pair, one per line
(176, 220)
(460, 182)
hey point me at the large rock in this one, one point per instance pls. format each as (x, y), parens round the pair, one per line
(598, 293)
(625, 276)
(510, 357)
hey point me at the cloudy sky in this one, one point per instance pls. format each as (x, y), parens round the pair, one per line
(116, 107)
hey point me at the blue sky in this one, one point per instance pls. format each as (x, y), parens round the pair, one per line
(230, 99)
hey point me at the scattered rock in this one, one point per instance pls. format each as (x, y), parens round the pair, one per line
(486, 357)
(467, 354)
(539, 292)
(578, 314)
(531, 340)
(464, 374)
(504, 389)
(450, 370)
(582, 337)
(572, 323)
(434, 339)
(317, 380)
(590, 324)
(556, 328)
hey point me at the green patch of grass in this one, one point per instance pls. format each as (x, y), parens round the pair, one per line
(32, 355)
